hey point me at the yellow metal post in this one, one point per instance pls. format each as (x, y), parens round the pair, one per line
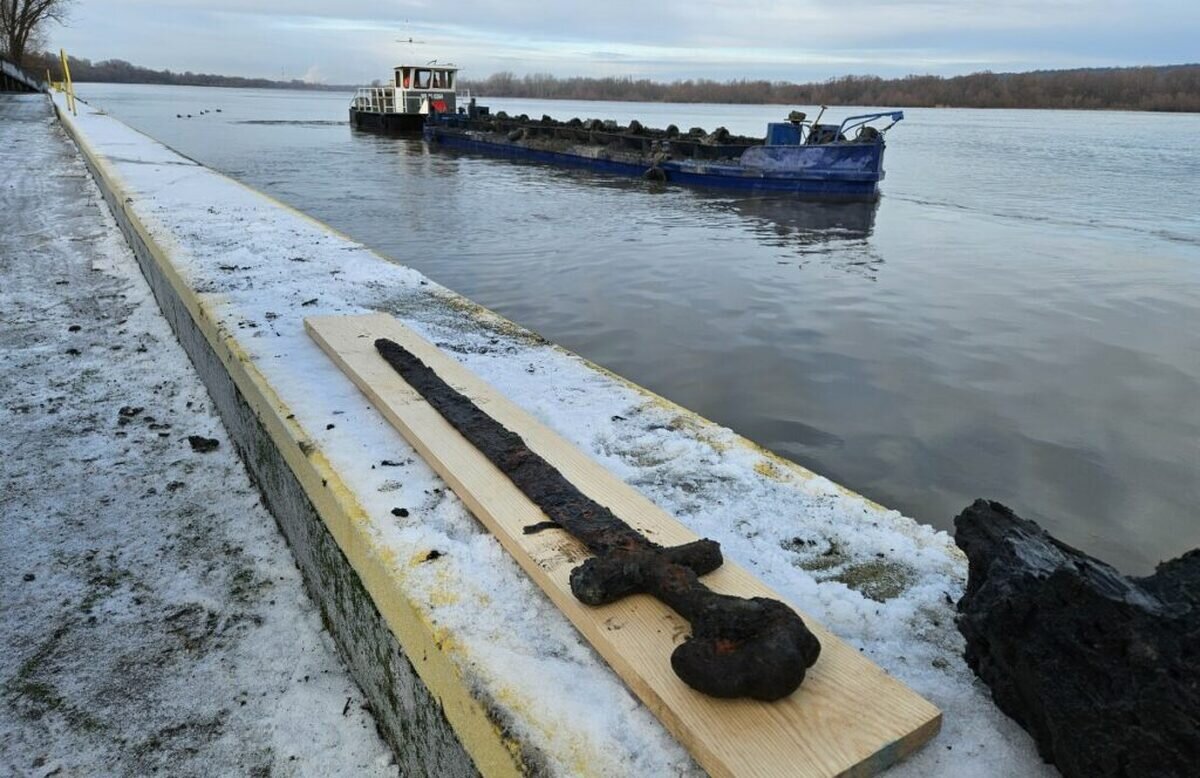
(70, 88)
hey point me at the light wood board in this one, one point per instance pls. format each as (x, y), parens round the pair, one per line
(848, 717)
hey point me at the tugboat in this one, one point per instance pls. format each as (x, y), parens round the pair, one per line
(415, 92)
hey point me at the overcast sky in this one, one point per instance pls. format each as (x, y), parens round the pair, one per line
(797, 40)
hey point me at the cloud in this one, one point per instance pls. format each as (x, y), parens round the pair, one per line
(356, 41)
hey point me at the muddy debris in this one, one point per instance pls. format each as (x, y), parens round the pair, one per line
(757, 647)
(203, 445)
(1100, 668)
(541, 526)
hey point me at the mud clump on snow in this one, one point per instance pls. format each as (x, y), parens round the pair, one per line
(1101, 669)
(203, 445)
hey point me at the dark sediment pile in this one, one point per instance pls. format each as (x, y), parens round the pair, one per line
(1103, 670)
(609, 140)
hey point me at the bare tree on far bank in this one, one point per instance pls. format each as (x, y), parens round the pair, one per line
(23, 23)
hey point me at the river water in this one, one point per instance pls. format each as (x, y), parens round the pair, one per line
(1018, 318)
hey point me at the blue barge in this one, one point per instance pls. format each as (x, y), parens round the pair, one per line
(809, 159)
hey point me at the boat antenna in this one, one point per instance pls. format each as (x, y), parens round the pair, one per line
(410, 40)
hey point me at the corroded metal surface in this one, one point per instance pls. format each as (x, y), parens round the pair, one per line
(739, 647)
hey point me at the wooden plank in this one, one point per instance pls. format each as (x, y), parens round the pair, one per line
(848, 717)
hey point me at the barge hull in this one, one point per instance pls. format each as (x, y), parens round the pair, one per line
(387, 122)
(852, 186)
(824, 189)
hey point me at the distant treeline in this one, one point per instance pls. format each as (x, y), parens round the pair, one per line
(117, 71)
(1162, 88)
(1156, 88)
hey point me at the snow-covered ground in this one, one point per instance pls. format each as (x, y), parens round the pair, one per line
(151, 616)
(879, 580)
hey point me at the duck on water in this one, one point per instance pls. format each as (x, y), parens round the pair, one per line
(814, 160)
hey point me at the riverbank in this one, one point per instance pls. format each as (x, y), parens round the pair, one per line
(244, 271)
(154, 619)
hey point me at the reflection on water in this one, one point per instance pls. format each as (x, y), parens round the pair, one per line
(1016, 319)
(805, 221)
(832, 234)
(835, 234)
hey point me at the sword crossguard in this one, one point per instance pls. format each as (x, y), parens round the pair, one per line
(739, 647)
(619, 573)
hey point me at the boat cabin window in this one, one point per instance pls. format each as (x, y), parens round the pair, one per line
(424, 78)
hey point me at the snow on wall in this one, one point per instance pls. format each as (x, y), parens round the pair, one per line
(877, 579)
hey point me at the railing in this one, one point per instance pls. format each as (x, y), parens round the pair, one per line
(11, 73)
(855, 122)
(375, 99)
(382, 99)
(67, 86)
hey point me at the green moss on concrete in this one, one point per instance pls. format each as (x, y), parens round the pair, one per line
(456, 312)
(33, 696)
(879, 580)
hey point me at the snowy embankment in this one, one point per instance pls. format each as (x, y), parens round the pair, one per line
(879, 580)
(153, 618)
